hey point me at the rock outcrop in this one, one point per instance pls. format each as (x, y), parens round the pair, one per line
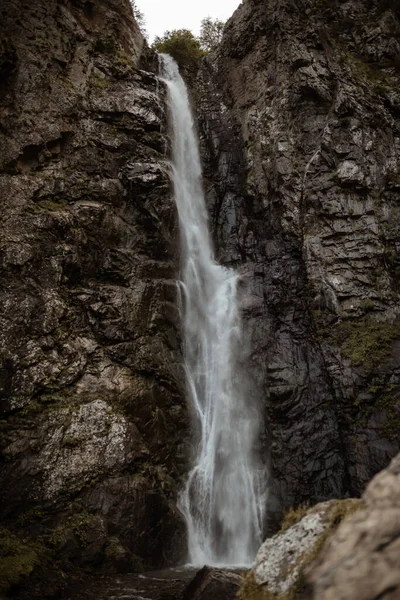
(279, 567)
(299, 118)
(347, 549)
(299, 121)
(362, 560)
(92, 408)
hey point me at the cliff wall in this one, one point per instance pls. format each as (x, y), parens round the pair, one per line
(299, 120)
(92, 408)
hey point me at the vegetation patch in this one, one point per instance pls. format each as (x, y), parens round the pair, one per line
(47, 206)
(386, 398)
(105, 45)
(292, 516)
(368, 342)
(251, 590)
(18, 558)
(182, 45)
(99, 81)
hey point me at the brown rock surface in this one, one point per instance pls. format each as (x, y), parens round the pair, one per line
(92, 411)
(362, 560)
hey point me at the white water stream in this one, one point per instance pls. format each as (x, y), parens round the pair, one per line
(224, 498)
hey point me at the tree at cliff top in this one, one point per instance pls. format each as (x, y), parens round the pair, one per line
(182, 45)
(210, 33)
(139, 18)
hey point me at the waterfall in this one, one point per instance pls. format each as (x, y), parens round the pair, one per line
(224, 497)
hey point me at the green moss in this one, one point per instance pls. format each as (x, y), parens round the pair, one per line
(370, 74)
(98, 81)
(386, 398)
(124, 59)
(366, 342)
(47, 206)
(57, 537)
(367, 305)
(70, 441)
(79, 523)
(18, 558)
(250, 590)
(30, 516)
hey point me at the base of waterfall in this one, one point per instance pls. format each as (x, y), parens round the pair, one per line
(182, 583)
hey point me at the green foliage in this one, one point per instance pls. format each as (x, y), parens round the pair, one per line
(366, 342)
(18, 558)
(386, 398)
(80, 523)
(182, 45)
(210, 33)
(252, 591)
(70, 441)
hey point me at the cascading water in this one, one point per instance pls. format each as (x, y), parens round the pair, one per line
(224, 498)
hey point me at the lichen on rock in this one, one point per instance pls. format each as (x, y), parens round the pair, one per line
(279, 568)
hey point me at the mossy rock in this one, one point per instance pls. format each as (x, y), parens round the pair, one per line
(18, 558)
(367, 342)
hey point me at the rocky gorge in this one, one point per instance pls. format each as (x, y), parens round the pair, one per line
(298, 114)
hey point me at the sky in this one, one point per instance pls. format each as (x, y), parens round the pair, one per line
(163, 15)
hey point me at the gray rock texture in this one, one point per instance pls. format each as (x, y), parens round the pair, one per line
(298, 113)
(362, 560)
(91, 384)
(283, 559)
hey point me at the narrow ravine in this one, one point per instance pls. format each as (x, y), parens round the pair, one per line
(225, 493)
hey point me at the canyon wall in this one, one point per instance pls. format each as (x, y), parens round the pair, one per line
(298, 113)
(92, 391)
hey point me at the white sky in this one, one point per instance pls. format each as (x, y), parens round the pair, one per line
(163, 15)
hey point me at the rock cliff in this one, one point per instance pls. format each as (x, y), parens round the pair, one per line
(345, 549)
(92, 408)
(299, 120)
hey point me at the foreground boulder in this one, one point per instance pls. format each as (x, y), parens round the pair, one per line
(282, 559)
(362, 560)
(213, 584)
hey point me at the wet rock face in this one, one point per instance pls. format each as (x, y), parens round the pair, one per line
(92, 409)
(211, 584)
(299, 121)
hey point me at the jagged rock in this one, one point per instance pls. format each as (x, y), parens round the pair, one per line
(300, 141)
(278, 569)
(91, 383)
(362, 559)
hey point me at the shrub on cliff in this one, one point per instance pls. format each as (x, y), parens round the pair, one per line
(182, 45)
